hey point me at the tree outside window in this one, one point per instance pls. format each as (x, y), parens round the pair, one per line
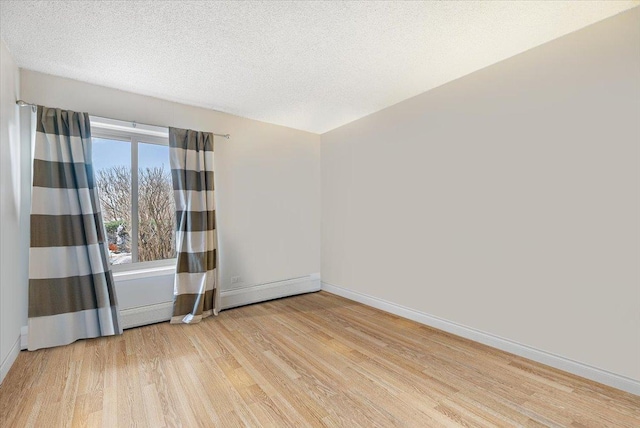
(137, 204)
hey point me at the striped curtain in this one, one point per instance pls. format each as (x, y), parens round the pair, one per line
(71, 292)
(195, 287)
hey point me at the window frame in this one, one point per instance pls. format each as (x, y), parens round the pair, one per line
(134, 133)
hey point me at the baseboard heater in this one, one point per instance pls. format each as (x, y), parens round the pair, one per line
(143, 315)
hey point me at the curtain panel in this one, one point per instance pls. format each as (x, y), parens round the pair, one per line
(71, 288)
(196, 294)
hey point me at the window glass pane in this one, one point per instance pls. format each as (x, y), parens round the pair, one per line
(112, 167)
(156, 207)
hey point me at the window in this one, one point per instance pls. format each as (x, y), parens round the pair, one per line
(133, 177)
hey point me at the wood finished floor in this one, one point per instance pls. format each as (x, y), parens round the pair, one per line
(310, 360)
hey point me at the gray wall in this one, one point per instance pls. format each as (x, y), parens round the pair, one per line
(507, 201)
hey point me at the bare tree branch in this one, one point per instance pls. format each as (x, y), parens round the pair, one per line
(156, 210)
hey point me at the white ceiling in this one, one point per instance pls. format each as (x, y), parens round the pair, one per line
(307, 65)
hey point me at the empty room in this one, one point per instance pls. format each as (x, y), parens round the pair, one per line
(320, 213)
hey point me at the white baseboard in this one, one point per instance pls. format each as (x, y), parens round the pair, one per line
(556, 361)
(273, 290)
(143, 315)
(9, 359)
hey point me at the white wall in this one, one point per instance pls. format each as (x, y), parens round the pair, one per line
(267, 179)
(14, 192)
(507, 201)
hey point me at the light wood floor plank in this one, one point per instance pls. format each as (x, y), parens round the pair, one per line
(312, 360)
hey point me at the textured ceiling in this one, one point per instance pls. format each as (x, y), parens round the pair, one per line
(307, 65)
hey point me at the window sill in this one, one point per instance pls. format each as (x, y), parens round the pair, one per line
(127, 275)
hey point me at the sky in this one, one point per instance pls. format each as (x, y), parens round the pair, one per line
(108, 153)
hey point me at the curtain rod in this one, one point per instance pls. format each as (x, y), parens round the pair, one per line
(33, 108)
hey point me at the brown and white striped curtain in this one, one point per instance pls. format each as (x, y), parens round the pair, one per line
(71, 289)
(196, 293)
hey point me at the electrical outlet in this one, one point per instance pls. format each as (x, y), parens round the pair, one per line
(235, 279)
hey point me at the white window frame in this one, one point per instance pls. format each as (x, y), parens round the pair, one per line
(135, 133)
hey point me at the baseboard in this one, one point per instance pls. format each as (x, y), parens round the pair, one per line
(556, 361)
(143, 315)
(9, 359)
(273, 290)
(160, 312)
